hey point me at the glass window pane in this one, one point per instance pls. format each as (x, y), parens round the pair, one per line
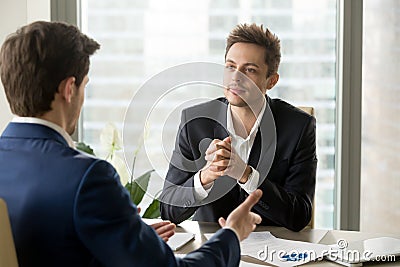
(141, 38)
(380, 170)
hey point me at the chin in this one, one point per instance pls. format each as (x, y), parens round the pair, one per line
(236, 101)
(240, 103)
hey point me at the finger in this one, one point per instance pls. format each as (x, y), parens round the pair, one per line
(212, 147)
(228, 139)
(217, 169)
(167, 235)
(222, 153)
(165, 231)
(223, 145)
(221, 163)
(166, 228)
(251, 200)
(160, 224)
(209, 157)
(222, 222)
(226, 143)
(217, 156)
(256, 218)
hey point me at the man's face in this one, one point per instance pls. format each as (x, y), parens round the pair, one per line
(245, 75)
(76, 105)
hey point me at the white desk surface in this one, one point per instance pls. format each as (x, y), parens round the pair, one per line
(308, 235)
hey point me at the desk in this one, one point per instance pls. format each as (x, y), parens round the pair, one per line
(307, 235)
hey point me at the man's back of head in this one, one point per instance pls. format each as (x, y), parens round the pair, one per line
(34, 61)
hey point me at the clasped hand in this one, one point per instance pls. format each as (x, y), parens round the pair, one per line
(223, 160)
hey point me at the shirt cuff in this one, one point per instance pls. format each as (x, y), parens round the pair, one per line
(252, 183)
(200, 191)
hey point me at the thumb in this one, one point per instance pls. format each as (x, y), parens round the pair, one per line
(227, 139)
(252, 199)
(222, 222)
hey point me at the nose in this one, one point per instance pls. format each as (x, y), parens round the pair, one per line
(236, 76)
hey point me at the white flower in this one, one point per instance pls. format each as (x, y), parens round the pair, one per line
(110, 139)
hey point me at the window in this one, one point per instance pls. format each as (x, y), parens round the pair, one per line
(141, 38)
(380, 171)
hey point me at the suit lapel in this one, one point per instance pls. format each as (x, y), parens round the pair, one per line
(263, 150)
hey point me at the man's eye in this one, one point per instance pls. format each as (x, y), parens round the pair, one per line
(230, 67)
(250, 70)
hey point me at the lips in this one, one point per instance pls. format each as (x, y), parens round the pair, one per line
(235, 89)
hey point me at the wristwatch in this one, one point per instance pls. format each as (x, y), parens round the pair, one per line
(250, 175)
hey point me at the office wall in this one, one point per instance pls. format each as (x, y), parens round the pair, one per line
(14, 14)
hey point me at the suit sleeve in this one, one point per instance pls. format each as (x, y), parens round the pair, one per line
(290, 205)
(110, 228)
(178, 200)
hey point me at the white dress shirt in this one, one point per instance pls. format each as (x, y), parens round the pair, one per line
(49, 124)
(243, 148)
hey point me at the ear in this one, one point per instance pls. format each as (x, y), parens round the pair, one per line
(272, 80)
(66, 88)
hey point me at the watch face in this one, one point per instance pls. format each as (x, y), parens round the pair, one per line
(250, 175)
(251, 172)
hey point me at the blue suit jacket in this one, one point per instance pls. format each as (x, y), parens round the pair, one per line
(69, 209)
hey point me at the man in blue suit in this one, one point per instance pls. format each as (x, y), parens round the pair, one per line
(67, 208)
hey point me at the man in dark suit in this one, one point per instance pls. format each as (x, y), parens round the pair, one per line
(228, 147)
(68, 208)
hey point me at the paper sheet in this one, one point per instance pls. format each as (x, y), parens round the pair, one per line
(280, 252)
(178, 240)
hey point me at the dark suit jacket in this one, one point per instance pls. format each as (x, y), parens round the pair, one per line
(69, 209)
(288, 185)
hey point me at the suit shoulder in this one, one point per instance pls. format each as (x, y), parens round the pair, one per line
(207, 107)
(86, 161)
(281, 108)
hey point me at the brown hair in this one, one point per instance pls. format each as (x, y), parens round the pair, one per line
(34, 61)
(245, 33)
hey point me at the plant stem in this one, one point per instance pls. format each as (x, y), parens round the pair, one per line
(131, 179)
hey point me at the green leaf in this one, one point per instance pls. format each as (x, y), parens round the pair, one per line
(153, 210)
(138, 187)
(85, 148)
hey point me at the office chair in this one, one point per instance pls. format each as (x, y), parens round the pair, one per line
(310, 110)
(8, 256)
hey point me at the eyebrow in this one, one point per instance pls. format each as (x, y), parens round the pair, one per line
(247, 64)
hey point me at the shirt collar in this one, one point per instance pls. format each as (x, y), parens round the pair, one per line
(49, 124)
(254, 129)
